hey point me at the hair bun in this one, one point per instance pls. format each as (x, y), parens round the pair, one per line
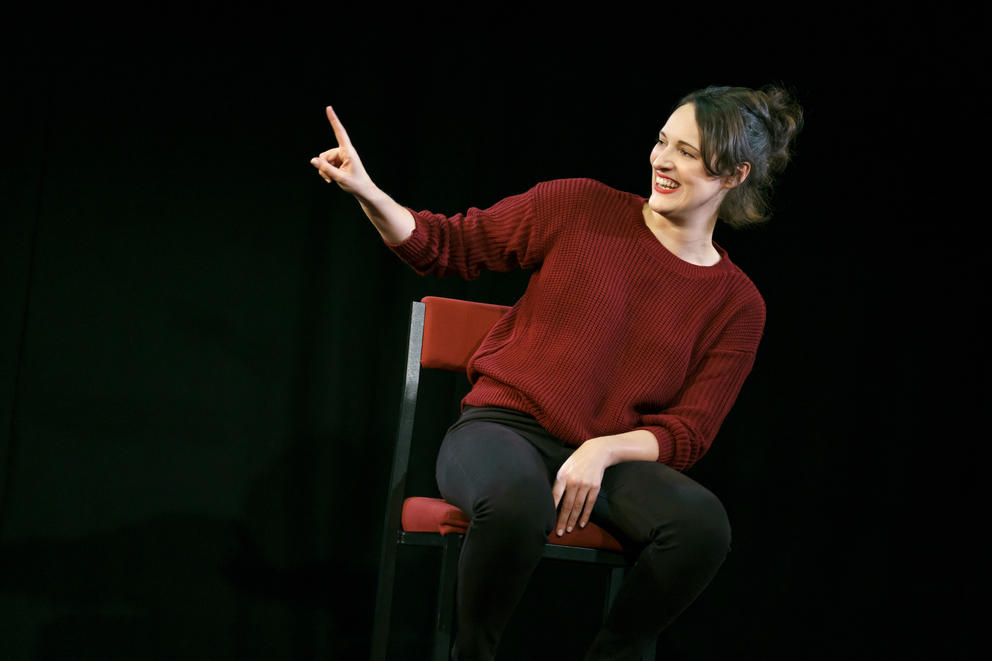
(783, 116)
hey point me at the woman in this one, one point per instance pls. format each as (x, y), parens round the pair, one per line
(615, 369)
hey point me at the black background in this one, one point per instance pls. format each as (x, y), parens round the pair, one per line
(202, 341)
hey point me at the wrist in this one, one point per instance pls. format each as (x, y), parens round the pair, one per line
(635, 445)
(604, 448)
(371, 195)
(394, 222)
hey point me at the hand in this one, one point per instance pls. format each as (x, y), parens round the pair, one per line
(578, 482)
(341, 164)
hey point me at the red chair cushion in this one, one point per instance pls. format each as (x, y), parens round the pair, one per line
(435, 515)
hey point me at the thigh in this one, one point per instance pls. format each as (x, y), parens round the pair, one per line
(482, 460)
(639, 499)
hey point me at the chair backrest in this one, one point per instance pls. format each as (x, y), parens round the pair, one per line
(454, 329)
(444, 334)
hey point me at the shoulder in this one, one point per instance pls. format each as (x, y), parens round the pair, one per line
(751, 301)
(744, 308)
(578, 194)
(739, 300)
(582, 186)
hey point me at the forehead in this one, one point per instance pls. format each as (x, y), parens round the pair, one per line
(681, 125)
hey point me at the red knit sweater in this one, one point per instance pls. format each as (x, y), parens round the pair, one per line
(614, 332)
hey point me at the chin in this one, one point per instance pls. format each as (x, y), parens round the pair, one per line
(659, 204)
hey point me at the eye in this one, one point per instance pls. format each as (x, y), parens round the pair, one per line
(690, 155)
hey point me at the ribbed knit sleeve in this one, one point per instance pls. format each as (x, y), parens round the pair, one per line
(515, 232)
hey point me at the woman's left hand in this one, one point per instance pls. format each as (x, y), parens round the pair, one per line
(578, 482)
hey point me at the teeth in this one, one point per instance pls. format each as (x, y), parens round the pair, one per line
(666, 183)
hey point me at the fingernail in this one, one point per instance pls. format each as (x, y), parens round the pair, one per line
(570, 529)
(561, 532)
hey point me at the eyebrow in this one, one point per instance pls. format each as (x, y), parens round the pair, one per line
(682, 142)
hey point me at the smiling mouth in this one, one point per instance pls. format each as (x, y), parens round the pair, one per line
(665, 185)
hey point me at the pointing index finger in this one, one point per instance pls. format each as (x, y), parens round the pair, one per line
(339, 132)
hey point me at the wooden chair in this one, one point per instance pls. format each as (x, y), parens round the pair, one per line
(444, 334)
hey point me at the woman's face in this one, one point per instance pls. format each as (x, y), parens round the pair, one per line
(681, 188)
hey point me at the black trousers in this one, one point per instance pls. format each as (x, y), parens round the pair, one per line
(498, 465)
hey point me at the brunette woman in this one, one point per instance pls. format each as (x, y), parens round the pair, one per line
(612, 373)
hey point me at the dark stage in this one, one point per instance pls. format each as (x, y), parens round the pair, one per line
(202, 343)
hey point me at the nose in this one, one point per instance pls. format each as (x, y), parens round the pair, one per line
(660, 157)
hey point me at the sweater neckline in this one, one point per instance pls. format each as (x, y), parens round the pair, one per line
(666, 257)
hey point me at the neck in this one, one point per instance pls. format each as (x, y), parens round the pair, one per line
(690, 242)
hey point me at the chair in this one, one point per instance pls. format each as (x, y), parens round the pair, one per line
(444, 334)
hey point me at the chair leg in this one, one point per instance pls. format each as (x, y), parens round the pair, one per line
(384, 601)
(444, 623)
(613, 582)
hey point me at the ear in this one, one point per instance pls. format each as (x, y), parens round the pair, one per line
(743, 170)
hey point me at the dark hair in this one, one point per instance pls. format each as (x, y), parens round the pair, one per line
(738, 124)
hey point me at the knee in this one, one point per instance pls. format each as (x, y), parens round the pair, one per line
(506, 491)
(518, 509)
(702, 525)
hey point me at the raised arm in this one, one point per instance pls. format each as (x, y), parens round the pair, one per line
(342, 165)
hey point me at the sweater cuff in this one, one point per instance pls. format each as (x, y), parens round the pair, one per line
(411, 248)
(672, 451)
